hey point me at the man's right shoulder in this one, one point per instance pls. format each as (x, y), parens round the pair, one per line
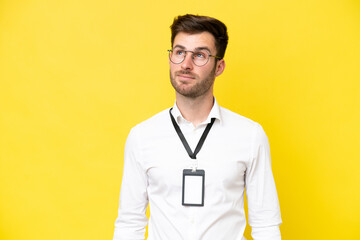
(153, 124)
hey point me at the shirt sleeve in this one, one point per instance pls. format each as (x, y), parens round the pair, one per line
(131, 221)
(263, 204)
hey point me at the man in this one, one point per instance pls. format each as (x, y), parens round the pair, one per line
(192, 162)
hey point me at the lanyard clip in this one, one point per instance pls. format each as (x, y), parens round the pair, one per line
(194, 165)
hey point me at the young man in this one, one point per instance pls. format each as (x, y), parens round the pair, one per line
(192, 162)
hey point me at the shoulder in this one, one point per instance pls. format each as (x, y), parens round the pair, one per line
(241, 125)
(244, 128)
(152, 125)
(236, 120)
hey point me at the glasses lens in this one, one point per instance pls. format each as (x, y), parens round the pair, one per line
(177, 55)
(200, 58)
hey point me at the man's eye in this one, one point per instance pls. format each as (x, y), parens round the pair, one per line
(179, 52)
(199, 55)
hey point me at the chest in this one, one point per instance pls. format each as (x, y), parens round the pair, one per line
(224, 158)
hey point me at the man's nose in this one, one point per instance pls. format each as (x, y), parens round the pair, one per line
(188, 62)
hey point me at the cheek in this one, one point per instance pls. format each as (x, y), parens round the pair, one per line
(172, 71)
(206, 71)
(173, 67)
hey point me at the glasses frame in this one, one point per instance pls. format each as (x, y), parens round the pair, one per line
(192, 57)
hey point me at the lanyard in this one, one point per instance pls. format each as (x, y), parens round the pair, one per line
(185, 143)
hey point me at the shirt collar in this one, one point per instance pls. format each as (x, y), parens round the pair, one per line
(214, 113)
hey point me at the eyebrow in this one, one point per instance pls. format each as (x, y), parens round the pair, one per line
(196, 49)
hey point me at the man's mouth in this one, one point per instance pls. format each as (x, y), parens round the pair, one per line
(185, 75)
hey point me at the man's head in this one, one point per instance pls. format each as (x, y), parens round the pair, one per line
(193, 24)
(198, 48)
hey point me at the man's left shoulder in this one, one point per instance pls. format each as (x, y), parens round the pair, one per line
(243, 127)
(236, 120)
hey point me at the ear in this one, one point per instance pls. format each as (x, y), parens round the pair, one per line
(220, 67)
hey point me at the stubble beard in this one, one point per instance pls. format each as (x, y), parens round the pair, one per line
(199, 89)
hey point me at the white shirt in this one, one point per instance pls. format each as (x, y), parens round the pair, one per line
(235, 154)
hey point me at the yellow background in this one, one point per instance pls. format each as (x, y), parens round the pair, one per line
(75, 76)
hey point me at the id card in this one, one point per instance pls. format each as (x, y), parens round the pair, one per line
(193, 188)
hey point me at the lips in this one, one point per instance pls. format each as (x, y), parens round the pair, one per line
(185, 76)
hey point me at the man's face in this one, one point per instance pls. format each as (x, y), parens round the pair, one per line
(188, 79)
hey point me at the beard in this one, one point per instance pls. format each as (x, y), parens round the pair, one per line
(201, 86)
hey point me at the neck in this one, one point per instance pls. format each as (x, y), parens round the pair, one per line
(195, 110)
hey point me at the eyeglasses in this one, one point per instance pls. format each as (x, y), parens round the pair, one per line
(199, 58)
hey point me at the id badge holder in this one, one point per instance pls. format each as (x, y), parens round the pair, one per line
(193, 187)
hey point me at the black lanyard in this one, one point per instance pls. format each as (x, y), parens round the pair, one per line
(185, 143)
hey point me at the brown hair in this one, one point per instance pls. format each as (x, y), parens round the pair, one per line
(197, 24)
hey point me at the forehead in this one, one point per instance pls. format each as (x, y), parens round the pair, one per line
(194, 41)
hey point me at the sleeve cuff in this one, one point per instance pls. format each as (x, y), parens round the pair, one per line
(266, 233)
